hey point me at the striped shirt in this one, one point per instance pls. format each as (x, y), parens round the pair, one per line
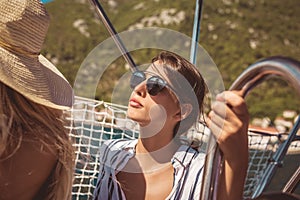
(114, 154)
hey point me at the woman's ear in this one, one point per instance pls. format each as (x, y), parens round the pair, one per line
(185, 110)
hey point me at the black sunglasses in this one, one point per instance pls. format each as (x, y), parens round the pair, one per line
(154, 84)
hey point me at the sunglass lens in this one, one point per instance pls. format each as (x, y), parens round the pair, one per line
(154, 85)
(136, 78)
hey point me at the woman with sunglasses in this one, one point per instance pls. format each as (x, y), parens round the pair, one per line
(167, 100)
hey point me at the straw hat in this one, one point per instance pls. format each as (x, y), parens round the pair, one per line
(23, 27)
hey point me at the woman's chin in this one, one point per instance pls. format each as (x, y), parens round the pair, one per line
(138, 119)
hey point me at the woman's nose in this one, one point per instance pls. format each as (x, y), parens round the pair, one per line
(141, 89)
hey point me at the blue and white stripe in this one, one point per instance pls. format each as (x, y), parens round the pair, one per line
(114, 154)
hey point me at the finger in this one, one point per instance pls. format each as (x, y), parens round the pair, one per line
(220, 125)
(219, 108)
(230, 125)
(240, 93)
(215, 129)
(234, 100)
(217, 119)
(229, 97)
(223, 111)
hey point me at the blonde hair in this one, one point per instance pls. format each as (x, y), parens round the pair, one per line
(18, 115)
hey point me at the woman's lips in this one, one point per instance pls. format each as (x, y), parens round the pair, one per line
(135, 103)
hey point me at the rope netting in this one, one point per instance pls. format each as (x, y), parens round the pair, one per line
(93, 122)
(261, 149)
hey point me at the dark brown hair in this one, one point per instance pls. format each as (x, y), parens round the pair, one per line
(194, 95)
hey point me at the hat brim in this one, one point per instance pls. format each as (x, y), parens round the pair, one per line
(36, 78)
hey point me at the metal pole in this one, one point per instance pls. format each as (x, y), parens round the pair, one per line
(276, 160)
(293, 182)
(101, 13)
(214, 158)
(289, 70)
(196, 31)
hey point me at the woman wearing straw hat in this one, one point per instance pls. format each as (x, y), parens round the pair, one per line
(36, 155)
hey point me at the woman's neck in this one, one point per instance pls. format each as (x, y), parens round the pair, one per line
(159, 147)
(151, 140)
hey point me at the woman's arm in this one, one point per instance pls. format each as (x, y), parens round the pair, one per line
(229, 120)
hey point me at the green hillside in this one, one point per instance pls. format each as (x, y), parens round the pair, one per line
(236, 33)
